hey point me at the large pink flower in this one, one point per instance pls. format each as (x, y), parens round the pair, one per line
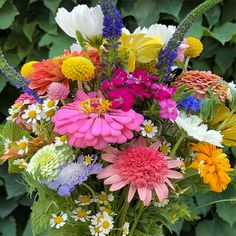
(90, 121)
(143, 168)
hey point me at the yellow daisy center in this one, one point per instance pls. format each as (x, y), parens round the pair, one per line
(18, 105)
(63, 138)
(107, 210)
(51, 103)
(22, 165)
(85, 199)
(81, 214)
(23, 145)
(97, 229)
(78, 68)
(58, 219)
(164, 149)
(103, 197)
(50, 113)
(95, 105)
(88, 159)
(32, 114)
(148, 128)
(105, 224)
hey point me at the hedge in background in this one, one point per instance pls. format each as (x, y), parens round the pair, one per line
(28, 32)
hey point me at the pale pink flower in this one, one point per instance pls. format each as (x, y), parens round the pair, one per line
(90, 121)
(182, 48)
(168, 109)
(58, 91)
(26, 99)
(143, 168)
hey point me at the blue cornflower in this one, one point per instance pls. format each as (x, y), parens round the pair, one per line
(73, 174)
(190, 103)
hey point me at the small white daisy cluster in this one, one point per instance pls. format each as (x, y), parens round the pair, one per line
(61, 140)
(148, 129)
(21, 163)
(165, 148)
(58, 220)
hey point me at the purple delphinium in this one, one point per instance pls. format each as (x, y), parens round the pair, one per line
(190, 103)
(73, 174)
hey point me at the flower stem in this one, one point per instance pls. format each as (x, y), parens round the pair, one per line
(177, 144)
(124, 210)
(90, 189)
(186, 63)
(141, 210)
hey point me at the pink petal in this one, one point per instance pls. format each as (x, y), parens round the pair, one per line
(127, 133)
(121, 139)
(97, 127)
(106, 129)
(148, 198)
(117, 186)
(170, 184)
(112, 150)
(107, 172)
(109, 157)
(81, 95)
(142, 193)
(113, 179)
(161, 191)
(174, 174)
(156, 145)
(101, 144)
(115, 132)
(116, 125)
(87, 126)
(174, 164)
(122, 119)
(132, 190)
(141, 142)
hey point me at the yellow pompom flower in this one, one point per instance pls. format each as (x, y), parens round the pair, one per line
(27, 69)
(195, 47)
(212, 165)
(78, 68)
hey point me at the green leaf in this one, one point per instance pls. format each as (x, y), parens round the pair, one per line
(28, 30)
(2, 2)
(225, 32)
(49, 27)
(7, 207)
(8, 227)
(196, 31)
(226, 211)
(3, 82)
(8, 12)
(213, 15)
(52, 5)
(13, 132)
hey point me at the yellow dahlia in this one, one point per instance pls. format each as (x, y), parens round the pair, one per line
(140, 48)
(213, 166)
(194, 49)
(27, 69)
(78, 68)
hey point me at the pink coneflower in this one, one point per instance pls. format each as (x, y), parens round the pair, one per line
(143, 168)
(58, 91)
(168, 109)
(90, 121)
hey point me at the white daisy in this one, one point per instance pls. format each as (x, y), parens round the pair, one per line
(58, 220)
(161, 204)
(7, 145)
(32, 114)
(84, 200)
(22, 146)
(21, 163)
(95, 230)
(148, 129)
(125, 229)
(103, 198)
(106, 224)
(14, 111)
(49, 104)
(88, 159)
(165, 147)
(80, 214)
(107, 210)
(193, 126)
(231, 90)
(61, 140)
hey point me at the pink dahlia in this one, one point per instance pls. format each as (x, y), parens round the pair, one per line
(143, 168)
(58, 91)
(90, 121)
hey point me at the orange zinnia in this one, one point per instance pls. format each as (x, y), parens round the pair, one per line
(213, 165)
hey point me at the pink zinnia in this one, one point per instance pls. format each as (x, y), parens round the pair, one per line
(168, 109)
(143, 168)
(90, 121)
(58, 91)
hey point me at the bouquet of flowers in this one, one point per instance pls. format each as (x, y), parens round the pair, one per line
(111, 136)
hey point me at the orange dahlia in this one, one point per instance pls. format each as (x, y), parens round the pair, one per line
(201, 81)
(213, 166)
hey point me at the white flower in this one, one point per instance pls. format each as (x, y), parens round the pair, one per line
(49, 104)
(75, 47)
(88, 159)
(232, 86)
(21, 163)
(22, 146)
(14, 111)
(80, 214)
(106, 224)
(88, 21)
(165, 147)
(32, 114)
(148, 129)
(58, 220)
(95, 230)
(61, 140)
(194, 128)
(103, 198)
(84, 200)
(125, 229)
(161, 204)
(7, 145)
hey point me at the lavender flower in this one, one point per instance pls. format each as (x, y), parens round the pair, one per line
(190, 103)
(73, 174)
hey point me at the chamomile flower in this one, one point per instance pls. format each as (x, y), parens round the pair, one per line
(95, 230)
(32, 114)
(58, 220)
(21, 163)
(104, 198)
(125, 229)
(61, 140)
(7, 145)
(14, 111)
(107, 210)
(22, 146)
(161, 204)
(84, 200)
(49, 104)
(165, 147)
(80, 214)
(106, 224)
(88, 159)
(148, 129)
